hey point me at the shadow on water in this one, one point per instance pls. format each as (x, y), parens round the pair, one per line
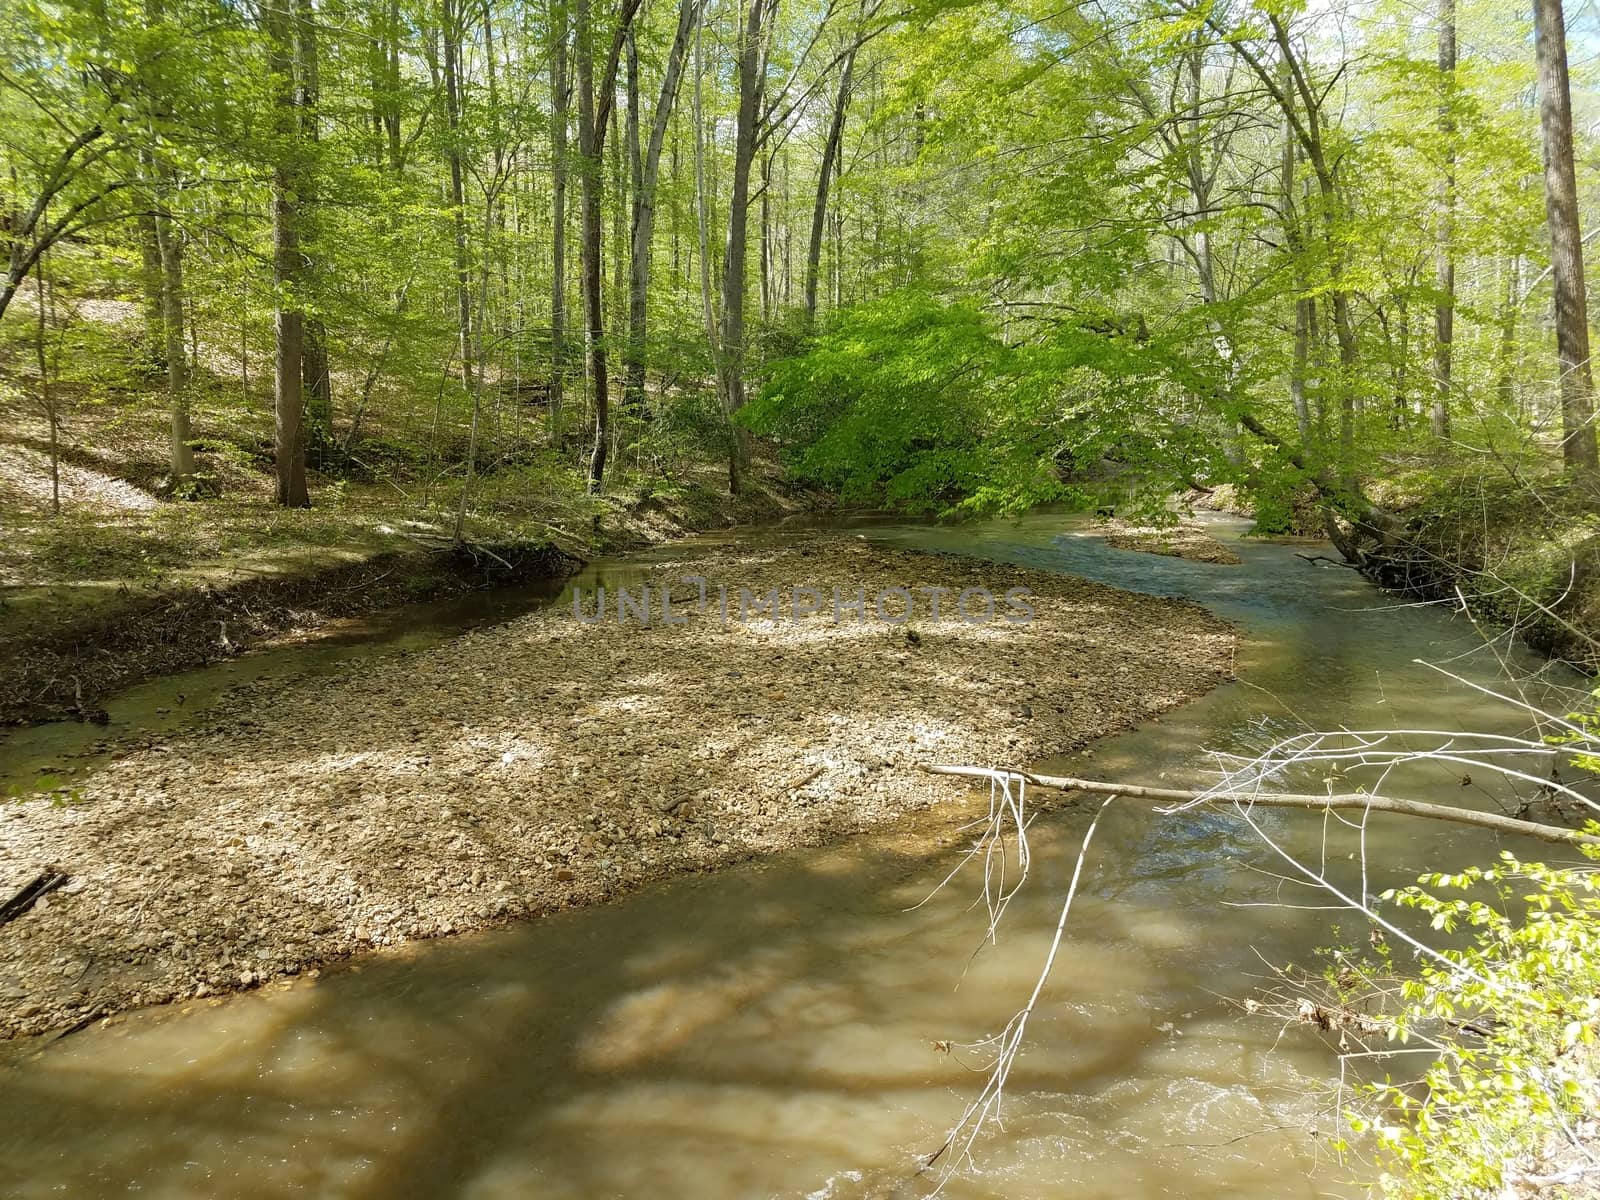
(749, 1034)
(770, 1030)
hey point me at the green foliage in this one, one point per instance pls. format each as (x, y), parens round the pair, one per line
(59, 791)
(1514, 1016)
(922, 404)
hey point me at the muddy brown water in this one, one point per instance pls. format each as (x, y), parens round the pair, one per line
(772, 1030)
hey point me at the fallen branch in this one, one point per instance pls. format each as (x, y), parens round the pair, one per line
(1348, 801)
(1323, 558)
(29, 895)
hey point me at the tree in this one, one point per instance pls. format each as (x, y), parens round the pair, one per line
(559, 93)
(644, 204)
(1566, 245)
(594, 113)
(751, 65)
(825, 172)
(287, 264)
(1445, 309)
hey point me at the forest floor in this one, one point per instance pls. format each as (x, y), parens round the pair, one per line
(551, 762)
(126, 582)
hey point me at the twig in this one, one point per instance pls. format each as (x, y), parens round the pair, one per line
(987, 1105)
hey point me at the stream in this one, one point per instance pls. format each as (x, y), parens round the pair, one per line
(775, 1030)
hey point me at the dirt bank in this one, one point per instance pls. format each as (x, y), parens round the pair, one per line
(162, 587)
(124, 582)
(1521, 557)
(549, 762)
(58, 659)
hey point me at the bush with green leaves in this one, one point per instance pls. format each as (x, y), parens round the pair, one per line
(915, 402)
(1511, 1094)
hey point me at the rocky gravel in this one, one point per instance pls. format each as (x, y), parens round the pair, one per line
(1185, 540)
(549, 762)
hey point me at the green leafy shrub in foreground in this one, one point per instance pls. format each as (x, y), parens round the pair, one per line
(1511, 1097)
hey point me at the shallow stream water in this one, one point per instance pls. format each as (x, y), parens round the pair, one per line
(773, 1030)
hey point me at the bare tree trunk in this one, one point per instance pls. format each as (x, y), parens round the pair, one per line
(317, 381)
(1304, 314)
(155, 338)
(1505, 387)
(766, 238)
(1362, 802)
(634, 154)
(619, 241)
(384, 70)
(286, 267)
(558, 199)
(46, 396)
(830, 156)
(458, 221)
(594, 112)
(701, 208)
(751, 64)
(1304, 308)
(644, 207)
(1566, 246)
(591, 135)
(1444, 313)
(788, 234)
(170, 249)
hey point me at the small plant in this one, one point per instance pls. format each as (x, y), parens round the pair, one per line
(60, 792)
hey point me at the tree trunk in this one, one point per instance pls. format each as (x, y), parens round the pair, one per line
(701, 208)
(286, 266)
(316, 381)
(1304, 315)
(155, 337)
(1444, 313)
(766, 238)
(591, 135)
(594, 112)
(1566, 246)
(750, 62)
(384, 69)
(47, 396)
(619, 226)
(1505, 387)
(1304, 307)
(830, 155)
(644, 207)
(635, 171)
(558, 200)
(458, 224)
(170, 250)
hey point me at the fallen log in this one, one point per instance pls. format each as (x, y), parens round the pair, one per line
(31, 893)
(1346, 801)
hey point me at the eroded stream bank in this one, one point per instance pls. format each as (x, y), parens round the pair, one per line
(553, 761)
(770, 1030)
